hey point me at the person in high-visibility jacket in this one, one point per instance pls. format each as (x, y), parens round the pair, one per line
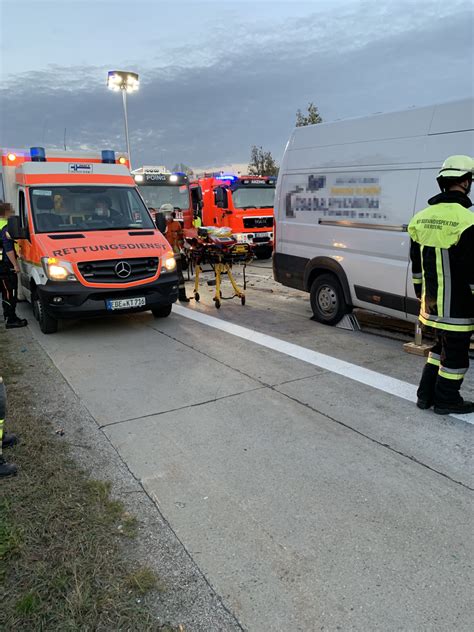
(9, 270)
(442, 256)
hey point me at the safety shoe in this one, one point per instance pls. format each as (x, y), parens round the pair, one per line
(423, 404)
(459, 408)
(183, 299)
(9, 440)
(7, 469)
(14, 323)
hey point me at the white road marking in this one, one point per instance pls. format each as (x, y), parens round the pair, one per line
(382, 382)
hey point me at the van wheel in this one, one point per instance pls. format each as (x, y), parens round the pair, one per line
(161, 311)
(327, 299)
(264, 253)
(47, 323)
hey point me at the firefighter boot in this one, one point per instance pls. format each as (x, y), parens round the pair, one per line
(182, 298)
(7, 469)
(458, 408)
(15, 322)
(9, 440)
(426, 389)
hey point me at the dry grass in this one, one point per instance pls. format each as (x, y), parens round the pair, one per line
(62, 537)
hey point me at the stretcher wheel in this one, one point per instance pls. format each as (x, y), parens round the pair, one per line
(242, 300)
(217, 302)
(197, 297)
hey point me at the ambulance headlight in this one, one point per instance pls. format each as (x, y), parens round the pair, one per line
(168, 263)
(57, 270)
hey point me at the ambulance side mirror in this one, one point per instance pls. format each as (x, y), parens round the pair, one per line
(16, 230)
(221, 198)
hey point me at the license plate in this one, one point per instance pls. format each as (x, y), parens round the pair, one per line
(125, 303)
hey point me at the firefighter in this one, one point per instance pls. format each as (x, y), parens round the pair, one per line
(9, 270)
(174, 235)
(6, 439)
(197, 221)
(442, 256)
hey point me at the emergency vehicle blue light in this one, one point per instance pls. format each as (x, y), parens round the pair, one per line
(178, 173)
(37, 154)
(108, 156)
(227, 176)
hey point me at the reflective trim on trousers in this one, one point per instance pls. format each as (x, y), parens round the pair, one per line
(434, 358)
(452, 374)
(447, 324)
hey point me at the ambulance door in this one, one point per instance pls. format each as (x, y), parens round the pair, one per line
(25, 247)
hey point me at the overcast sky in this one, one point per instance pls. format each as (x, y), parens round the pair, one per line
(217, 77)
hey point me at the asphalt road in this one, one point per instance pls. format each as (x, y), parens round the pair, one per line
(309, 496)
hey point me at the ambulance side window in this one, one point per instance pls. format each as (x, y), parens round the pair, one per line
(22, 209)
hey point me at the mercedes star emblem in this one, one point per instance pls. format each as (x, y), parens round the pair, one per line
(123, 270)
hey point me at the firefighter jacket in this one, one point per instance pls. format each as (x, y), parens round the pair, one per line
(442, 256)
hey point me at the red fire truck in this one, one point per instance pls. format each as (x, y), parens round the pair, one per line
(243, 203)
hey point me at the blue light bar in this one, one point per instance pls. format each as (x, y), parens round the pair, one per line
(37, 154)
(226, 176)
(108, 156)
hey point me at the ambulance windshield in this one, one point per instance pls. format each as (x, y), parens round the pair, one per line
(156, 196)
(262, 196)
(83, 208)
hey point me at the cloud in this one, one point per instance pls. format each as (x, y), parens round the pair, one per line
(209, 108)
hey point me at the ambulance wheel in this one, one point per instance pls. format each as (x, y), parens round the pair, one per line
(242, 300)
(327, 299)
(47, 323)
(161, 311)
(197, 297)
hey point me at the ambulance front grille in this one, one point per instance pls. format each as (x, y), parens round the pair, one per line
(118, 270)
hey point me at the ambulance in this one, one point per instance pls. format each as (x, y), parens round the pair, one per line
(242, 203)
(346, 193)
(87, 243)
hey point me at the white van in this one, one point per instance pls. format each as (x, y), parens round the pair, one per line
(345, 194)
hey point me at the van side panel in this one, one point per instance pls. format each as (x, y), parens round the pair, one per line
(347, 190)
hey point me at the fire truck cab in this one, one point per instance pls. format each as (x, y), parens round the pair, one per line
(87, 243)
(162, 190)
(243, 203)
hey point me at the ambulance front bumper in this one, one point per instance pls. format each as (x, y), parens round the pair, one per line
(74, 300)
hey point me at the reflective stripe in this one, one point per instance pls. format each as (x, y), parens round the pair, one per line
(461, 371)
(440, 275)
(472, 288)
(434, 358)
(450, 376)
(417, 281)
(417, 275)
(452, 324)
(423, 291)
(447, 284)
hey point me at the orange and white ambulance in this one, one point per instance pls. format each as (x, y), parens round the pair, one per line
(87, 243)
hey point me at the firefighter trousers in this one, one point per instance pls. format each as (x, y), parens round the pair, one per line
(179, 271)
(9, 291)
(447, 364)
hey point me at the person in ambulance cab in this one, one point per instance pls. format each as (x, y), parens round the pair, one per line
(103, 210)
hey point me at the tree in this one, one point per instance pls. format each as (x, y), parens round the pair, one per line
(262, 162)
(311, 118)
(181, 168)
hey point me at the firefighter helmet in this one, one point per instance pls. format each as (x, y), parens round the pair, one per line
(456, 167)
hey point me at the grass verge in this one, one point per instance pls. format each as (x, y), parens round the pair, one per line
(62, 566)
